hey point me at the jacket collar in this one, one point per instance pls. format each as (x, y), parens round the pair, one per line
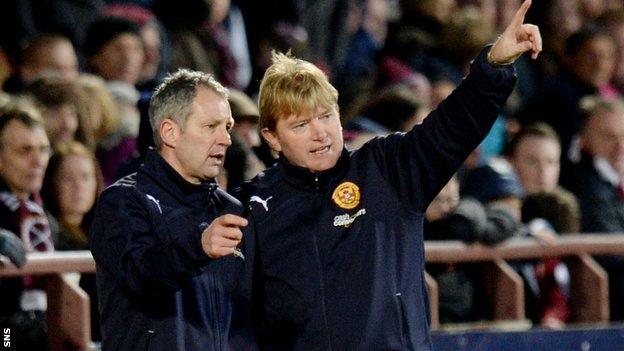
(159, 171)
(305, 179)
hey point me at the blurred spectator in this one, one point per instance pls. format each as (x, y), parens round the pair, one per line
(241, 160)
(449, 218)
(534, 153)
(558, 207)
(238, 43)
(327, 29)
(207, 36)
(281, 37)
(597, 179)
(102, 108)
(590, 63)
(555, 210)
(71, 185)
(70, 188)
(557, 20)
(356, 74)
(22, 20)
(466, 33)
(393, 110)
(47, 55)
(613, 21)
(592, 9)
(597, 183)
(116, 53)
(496, 185)
(63, 106)
(114, 50)
(120, 146)
(151, 31)
(24, 154)
(182, 22)
(156, 63)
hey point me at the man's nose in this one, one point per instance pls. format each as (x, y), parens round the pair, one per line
(319, 131)
(39, 158)
(224, 137)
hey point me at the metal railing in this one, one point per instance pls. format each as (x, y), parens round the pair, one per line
(68, 305)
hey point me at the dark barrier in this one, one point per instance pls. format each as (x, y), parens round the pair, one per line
(590, 339)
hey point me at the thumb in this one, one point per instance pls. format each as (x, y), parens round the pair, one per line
(525, 46)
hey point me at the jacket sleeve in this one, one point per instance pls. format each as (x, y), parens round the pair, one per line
(127, 246)
(420, 162)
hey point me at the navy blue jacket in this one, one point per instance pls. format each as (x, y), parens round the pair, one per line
(158, 290)
(339, 255)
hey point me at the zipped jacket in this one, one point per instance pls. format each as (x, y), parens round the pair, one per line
(338, 256)
(157, 288)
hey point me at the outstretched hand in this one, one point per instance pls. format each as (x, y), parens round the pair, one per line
(517, 38)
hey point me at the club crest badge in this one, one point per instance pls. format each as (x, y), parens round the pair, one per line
(347, 195)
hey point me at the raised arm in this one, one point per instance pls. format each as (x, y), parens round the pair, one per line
(431, 153)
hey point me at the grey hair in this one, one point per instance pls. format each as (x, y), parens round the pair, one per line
(173, 98)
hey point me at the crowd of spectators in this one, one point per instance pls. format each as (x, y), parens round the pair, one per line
(77, 77)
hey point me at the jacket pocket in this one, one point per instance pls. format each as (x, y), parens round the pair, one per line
(405, 334)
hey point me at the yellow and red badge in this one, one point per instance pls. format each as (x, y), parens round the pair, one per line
(346, 195)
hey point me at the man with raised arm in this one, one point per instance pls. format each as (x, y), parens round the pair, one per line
(335, 236)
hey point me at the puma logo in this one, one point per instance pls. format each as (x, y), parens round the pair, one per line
(264, 203)
(157, 202)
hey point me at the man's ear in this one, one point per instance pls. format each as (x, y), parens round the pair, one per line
(272, 139)
(169, 132)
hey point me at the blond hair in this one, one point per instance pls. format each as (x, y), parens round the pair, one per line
(291, 87)
(100, 100)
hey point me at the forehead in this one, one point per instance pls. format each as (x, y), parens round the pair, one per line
(56, 50)
(210, 105)
(16, 134)
(125, 39)
(606, 120)
(308, 113)
(75, 161)
(599, 43)
(536, 142)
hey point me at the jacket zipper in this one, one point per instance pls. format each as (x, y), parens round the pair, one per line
(215, 294)
(217, 319)
(322, 284)
(403, 321)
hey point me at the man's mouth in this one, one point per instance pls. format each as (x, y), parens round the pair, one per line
(218, 157)
(321, 150)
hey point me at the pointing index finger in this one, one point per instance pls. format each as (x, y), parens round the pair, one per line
(518, 18)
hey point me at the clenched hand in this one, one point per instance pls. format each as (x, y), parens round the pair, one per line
(223, 235)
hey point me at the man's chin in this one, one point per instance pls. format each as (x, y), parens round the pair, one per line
(323, 166)
(212, 173)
